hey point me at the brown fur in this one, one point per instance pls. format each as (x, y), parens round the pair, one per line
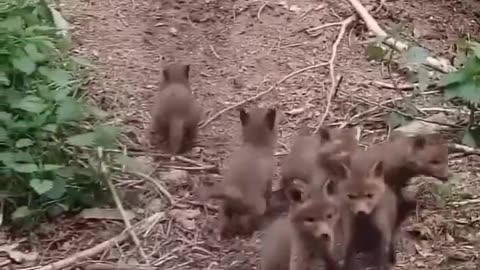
(308, 232)
(245, 192)
(301, 163)
(175, 114)
(407, 157)
(369, 212)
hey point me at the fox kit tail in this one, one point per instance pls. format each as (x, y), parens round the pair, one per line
(176, 134)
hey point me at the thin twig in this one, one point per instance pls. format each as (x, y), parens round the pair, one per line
(404, 87)
(198, 165)
(442, 65)
(215, 53)
(119, 204)
(215, 116)
(159, 186)
(323, 26)
(334, 83)
(64, 263)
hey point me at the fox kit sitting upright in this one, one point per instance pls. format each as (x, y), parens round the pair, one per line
(369, 211)
(245, 191)
(308, 232)
(175, 113)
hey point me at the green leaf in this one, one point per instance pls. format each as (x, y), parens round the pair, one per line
(131, 164)
(58, 189)
(32, 104)
(24, 167)
(21, 212)
(59, 21)
(375, 52)
(25, 142)
(59, 76)
(452, 78)
(4, 79)
(33, 53)
(50, 127)
(471, 67)
(96, 112)
(23, 63)
(106, 135)
(24, 157)
(416, 55)
(468, 91)
(423, 79)
(51, 167)
(7, 157)
(3, 135)
(476, 49)
(5, 117)
(472, 137)
(12, 23)
(86, 139)
(69, 110)
(41, 186)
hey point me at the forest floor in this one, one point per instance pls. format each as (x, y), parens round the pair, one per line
(236, 50)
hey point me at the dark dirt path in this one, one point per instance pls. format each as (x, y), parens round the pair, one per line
(236, 51)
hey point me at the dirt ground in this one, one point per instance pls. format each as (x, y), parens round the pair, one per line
(236, 50)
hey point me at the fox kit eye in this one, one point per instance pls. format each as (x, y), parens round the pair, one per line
(435, 162)
(309, 219)
(369, 195)
(351, 196)
(329, 216)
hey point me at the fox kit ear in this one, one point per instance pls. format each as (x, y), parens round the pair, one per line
(376, 171)
(335, 165)
(166, 75)
(324, 134)
(243, 117)
(329, 188)
(270, 118)
(186, 70)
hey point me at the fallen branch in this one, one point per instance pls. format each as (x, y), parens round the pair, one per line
(442, 64)
(459, 148)
(404, 87)
(128, 225)
(465, 202)
(215, 116)
(112, 266)
(334, 81)
(64, 263)
(198, 165)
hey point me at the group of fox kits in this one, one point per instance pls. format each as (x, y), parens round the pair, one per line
(337, 192)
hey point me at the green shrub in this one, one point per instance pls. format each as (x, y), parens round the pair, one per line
(48, 135)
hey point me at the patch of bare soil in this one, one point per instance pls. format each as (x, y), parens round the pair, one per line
(238, 49)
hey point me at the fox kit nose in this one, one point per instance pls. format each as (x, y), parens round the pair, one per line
(361, 212)
(325, 237)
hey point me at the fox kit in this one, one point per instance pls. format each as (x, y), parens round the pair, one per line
(369, 212)
(406, 157)
(301, 162)
(176, 114)
(308, 232)
(245, 192)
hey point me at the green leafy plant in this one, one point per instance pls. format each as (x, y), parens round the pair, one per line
(462, 85)
(48, 134)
